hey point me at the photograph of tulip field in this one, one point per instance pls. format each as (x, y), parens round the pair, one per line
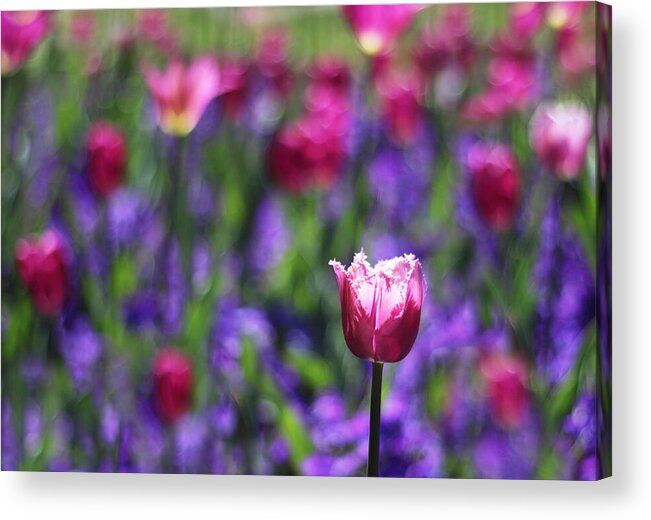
(322, 241)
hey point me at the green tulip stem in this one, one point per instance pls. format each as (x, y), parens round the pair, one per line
(374, 433)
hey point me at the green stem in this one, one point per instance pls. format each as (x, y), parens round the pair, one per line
(374, 433)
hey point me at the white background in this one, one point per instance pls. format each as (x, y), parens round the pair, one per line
(626, 495)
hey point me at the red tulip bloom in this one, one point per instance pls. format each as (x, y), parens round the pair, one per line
(378, 27)
(44, 267)
(182, 93)
(106, 158)
(505, 377)
(22, 31)
(173, 382)
(381, 306)
(559, 135)
(494, 183)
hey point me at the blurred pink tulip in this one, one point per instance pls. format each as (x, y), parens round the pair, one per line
(506, 380)
(381, 306)
(495, 184)
(82, 27)
(22, 31)
(331, 72)
(107, 156)
(378, 27)
(44, 267)
(181, 93)
(559, 135)
(513, 81)
(152, 24)
(401, 94)
(565, 15)
(273, 62)
(235, 85)
(448, 43)
(527, 18)
(576, 52)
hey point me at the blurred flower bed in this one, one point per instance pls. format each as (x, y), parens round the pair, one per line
(175, 182)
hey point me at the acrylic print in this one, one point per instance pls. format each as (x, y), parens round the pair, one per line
(334, 241)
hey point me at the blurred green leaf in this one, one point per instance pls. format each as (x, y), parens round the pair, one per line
(314, 370)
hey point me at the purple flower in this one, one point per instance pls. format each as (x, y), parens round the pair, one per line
(190, 443)
(399, 179)
(270, 237)
(566, 289)
(506, 456)
(10, 446)
(317, 465)
(81, 348)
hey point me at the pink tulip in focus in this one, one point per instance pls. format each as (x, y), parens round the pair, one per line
(378, 27)
(505, 377)
(44, 267)
(22, 31)
(559, 135)
(107, 157)
(495, 184)
(173, 383)
(181, 93)
(381, 306)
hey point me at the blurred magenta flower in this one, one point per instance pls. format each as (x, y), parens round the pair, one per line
(575, 51)
(448, 43)
(235, 85)
(513, 82)
(173, 383)
(152, 24)
(401, 93)
(564, 15)
(381, 306)
(559, 135)
(378, 27)
(107, 157)
(44, 267)
(22, 31)
(495, 183)
(181, 93)
(330, 72)
(527, 17)
(273, 62)
(308, 153)
(82, 27)
(506, 382)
